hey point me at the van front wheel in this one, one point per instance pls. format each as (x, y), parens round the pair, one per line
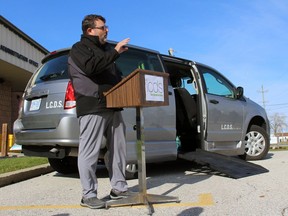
(256, 143)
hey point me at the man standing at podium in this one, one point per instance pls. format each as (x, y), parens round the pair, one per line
(92, 71)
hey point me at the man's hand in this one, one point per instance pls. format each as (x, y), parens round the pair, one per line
(121, 46)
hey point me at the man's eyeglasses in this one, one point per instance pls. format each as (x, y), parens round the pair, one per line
(103, 28)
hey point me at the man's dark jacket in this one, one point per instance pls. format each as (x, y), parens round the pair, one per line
(92, 71)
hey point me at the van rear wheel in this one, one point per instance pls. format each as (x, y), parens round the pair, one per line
(131, 171)
(66, 165)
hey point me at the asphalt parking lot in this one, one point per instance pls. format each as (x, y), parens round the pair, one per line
(201, 190)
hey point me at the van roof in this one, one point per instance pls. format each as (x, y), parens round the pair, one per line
(64, 50)
(183, 61)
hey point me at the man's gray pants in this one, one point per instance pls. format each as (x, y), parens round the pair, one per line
(92, 130)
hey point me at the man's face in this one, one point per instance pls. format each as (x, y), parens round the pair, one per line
(100, 30)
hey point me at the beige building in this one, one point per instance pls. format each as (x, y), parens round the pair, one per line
(20, 56)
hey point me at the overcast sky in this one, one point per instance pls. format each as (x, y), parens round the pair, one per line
(246, 40)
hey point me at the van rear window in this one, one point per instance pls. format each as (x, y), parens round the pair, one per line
(54, 69)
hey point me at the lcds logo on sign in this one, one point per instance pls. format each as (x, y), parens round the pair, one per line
(154, 88)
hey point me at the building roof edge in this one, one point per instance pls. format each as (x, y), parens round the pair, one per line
(13, 28)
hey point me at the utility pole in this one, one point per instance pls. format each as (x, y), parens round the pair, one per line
(262, 91)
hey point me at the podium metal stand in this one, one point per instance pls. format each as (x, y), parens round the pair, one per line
(121, 95)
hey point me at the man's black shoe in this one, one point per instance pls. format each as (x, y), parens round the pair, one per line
(115, 195)
(93, 203)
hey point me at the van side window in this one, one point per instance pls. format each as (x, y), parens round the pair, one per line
(187, 83)
(133, 59)
(216, 84)
(180, 75)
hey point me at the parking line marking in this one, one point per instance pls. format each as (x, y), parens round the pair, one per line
(203, 200)
(38, 207)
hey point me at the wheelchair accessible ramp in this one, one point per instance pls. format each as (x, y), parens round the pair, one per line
(232, 166)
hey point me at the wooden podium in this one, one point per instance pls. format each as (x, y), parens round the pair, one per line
(142, 88)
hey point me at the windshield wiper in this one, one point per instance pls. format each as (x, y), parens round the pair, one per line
(51, 76)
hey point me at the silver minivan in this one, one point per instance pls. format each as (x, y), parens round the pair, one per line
(206, 111)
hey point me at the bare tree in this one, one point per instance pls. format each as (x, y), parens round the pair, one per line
(278, 124)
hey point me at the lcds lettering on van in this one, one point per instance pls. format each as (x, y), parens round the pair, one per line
(54, 104)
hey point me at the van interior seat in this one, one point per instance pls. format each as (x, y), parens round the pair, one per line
(186, 114)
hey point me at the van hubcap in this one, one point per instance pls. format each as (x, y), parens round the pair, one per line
(254, 143)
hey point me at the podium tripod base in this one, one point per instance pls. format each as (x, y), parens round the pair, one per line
(142, 199)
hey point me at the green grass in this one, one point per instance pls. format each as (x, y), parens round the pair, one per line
(17, 163)
(279, 147)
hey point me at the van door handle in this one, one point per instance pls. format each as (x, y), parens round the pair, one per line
(169, 93)
(214, 101)
(37, 94)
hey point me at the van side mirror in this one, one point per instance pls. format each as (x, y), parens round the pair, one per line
(239, 92)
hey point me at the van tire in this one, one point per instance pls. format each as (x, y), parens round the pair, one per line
(66, 165)
(131, 171)
(257, 143)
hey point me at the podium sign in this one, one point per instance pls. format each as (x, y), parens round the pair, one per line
(141, 88)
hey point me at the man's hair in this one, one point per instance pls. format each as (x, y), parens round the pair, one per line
(89, 21)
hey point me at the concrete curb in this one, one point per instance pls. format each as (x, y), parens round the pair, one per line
(24, 174)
